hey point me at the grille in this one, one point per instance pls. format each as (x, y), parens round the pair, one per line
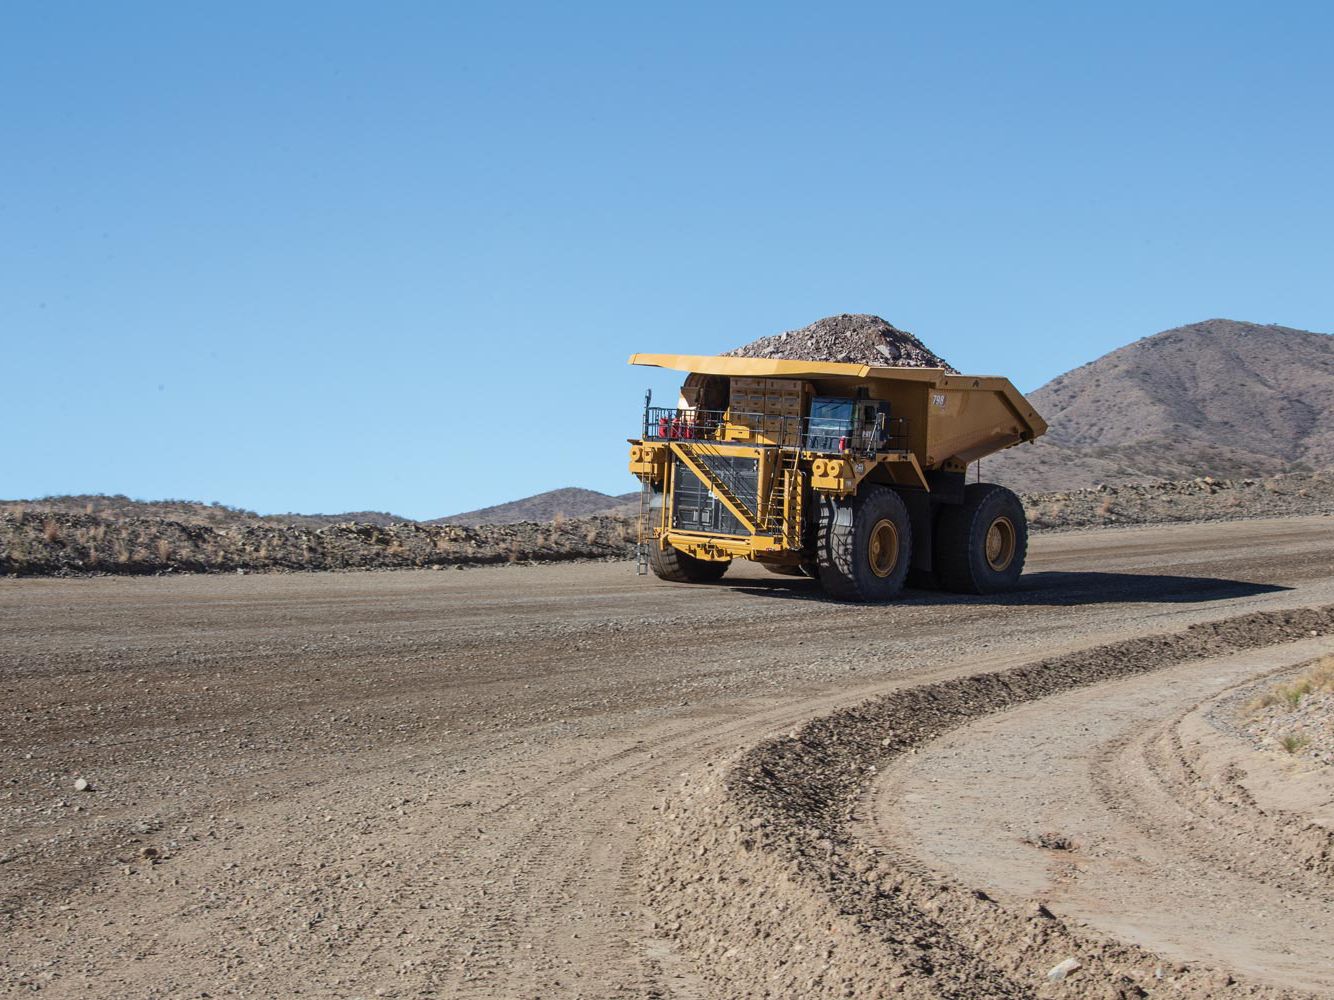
(694, 506)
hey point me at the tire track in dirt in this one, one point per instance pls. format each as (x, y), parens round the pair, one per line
(765, 887)
(1037, 803)
(1153, 780)
(360, 731)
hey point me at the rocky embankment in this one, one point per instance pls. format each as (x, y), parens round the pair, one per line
(1190, 500)
(60, 544)
(40, 542)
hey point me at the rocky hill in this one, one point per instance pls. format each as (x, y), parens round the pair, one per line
(1219, 398)
(570, 502)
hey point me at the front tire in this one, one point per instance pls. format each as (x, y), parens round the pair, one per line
(673, 565)
(864, 545)
(981, 544)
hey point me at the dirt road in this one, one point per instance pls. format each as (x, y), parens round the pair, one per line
(1089, 801)
(434, 783)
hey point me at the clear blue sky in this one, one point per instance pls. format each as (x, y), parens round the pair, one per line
(333, 256)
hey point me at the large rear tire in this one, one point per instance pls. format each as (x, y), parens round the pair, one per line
(864, 545)
(981, 543)
(675, 566)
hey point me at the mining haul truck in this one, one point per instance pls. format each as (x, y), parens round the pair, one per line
(853, 474)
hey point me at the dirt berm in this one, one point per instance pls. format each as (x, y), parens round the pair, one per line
(37, 540)
(755, 872)
(33, 543)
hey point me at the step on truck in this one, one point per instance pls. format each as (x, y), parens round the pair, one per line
(853, 474)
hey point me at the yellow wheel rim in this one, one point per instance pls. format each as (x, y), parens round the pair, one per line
(884, 552)
(1000, 544)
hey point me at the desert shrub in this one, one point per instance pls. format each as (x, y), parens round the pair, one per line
(1294, 742)
(1319, 678)
(1293, 695)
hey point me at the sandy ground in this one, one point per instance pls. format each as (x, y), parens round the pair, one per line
(435, 784)
(1087, 801)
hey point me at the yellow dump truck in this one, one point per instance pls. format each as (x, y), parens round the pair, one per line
(852, 474)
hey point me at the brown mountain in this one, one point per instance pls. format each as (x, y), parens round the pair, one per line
(1219, 398)
(569, 502)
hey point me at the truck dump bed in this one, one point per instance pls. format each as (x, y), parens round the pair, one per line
(948, 420)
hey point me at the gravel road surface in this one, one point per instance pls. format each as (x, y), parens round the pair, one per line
(435, 784)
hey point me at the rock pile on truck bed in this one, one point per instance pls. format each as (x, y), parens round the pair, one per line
(853, 337)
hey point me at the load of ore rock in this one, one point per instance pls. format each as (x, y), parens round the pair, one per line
(855, 337)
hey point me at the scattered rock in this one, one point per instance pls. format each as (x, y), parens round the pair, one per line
(82, 785)
(1059, 972)
(1052, 841)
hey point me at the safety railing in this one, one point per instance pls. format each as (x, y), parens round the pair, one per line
(663, 423)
